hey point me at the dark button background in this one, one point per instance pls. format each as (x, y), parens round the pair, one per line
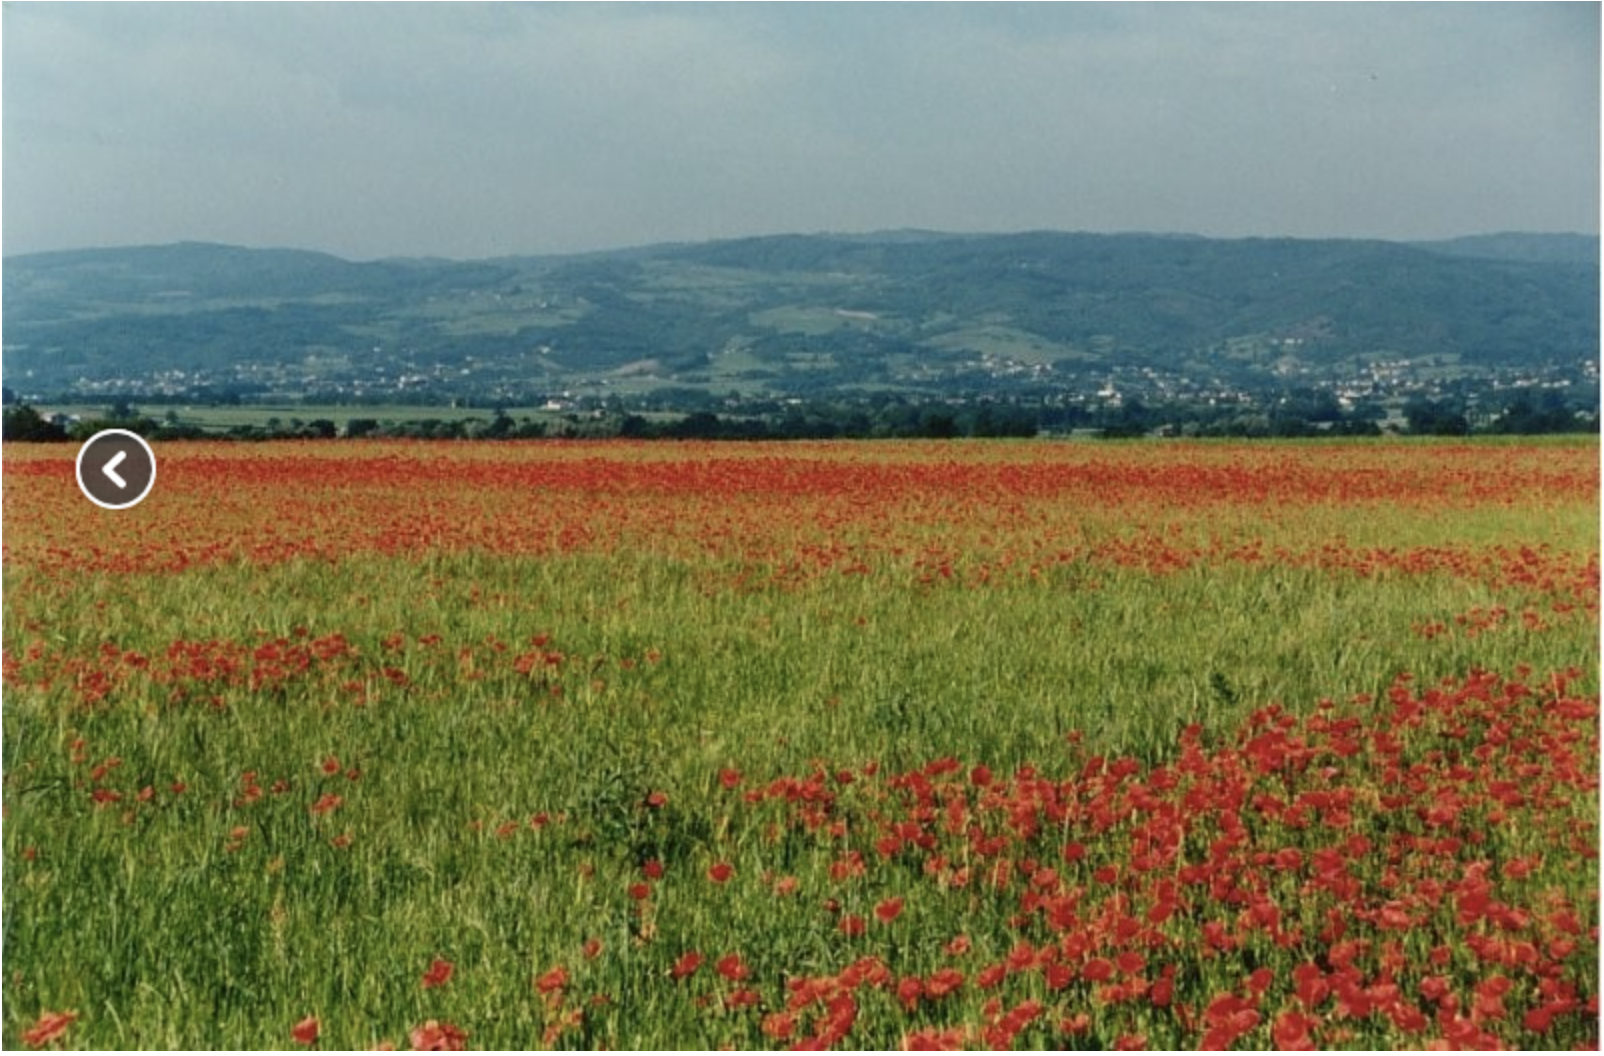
(137, 469)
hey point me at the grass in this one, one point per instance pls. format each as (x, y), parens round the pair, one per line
(1008, 343)
(452, 696)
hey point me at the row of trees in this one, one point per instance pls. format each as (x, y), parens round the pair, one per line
(850, 419)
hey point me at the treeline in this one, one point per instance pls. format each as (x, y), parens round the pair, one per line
(1523, 414)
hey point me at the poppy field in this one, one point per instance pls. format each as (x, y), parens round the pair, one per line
(864, 745)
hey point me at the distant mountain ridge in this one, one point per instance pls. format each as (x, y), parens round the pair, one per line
(1528, 248)
(909, 311)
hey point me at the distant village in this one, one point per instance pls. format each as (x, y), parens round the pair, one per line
(1379, 381)
(988, 395)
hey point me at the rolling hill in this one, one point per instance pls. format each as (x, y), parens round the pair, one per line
(803, 315)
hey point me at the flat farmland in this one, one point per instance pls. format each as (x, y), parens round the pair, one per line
(866, 745)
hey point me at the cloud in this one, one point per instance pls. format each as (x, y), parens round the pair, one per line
(469, 129)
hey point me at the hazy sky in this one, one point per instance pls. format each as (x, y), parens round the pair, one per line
(468, 130)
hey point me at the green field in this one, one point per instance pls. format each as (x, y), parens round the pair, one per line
(313, 718)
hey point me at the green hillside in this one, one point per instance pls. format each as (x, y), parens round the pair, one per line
(794, 315)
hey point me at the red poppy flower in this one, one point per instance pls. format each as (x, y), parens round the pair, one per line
(992, 975)
(743, 999)
(720, 872)
(780, 1025)
(1291, 1032)
(888, 910)
(435, 1036)
(439, 974)
(686, 965)
(932, 1039)
(1079, 1023)
(49, 1027)
(731, 967)
(553, 980)
(327, 803)
(943, 982)
(305, 1032)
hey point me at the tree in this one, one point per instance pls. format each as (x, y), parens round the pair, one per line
(501, 425)
(1432, 418)
(83, 429)
(27, 425)
(1523, 417)
(938, 425)
(698, 425)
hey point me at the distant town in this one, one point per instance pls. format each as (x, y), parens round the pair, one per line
(1397, 396)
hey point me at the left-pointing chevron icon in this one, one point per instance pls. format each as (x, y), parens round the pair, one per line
(116, 469)
(110, 469)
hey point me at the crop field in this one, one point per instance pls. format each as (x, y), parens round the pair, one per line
(1086, 745)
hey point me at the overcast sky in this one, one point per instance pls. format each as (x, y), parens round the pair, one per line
(465, 130)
